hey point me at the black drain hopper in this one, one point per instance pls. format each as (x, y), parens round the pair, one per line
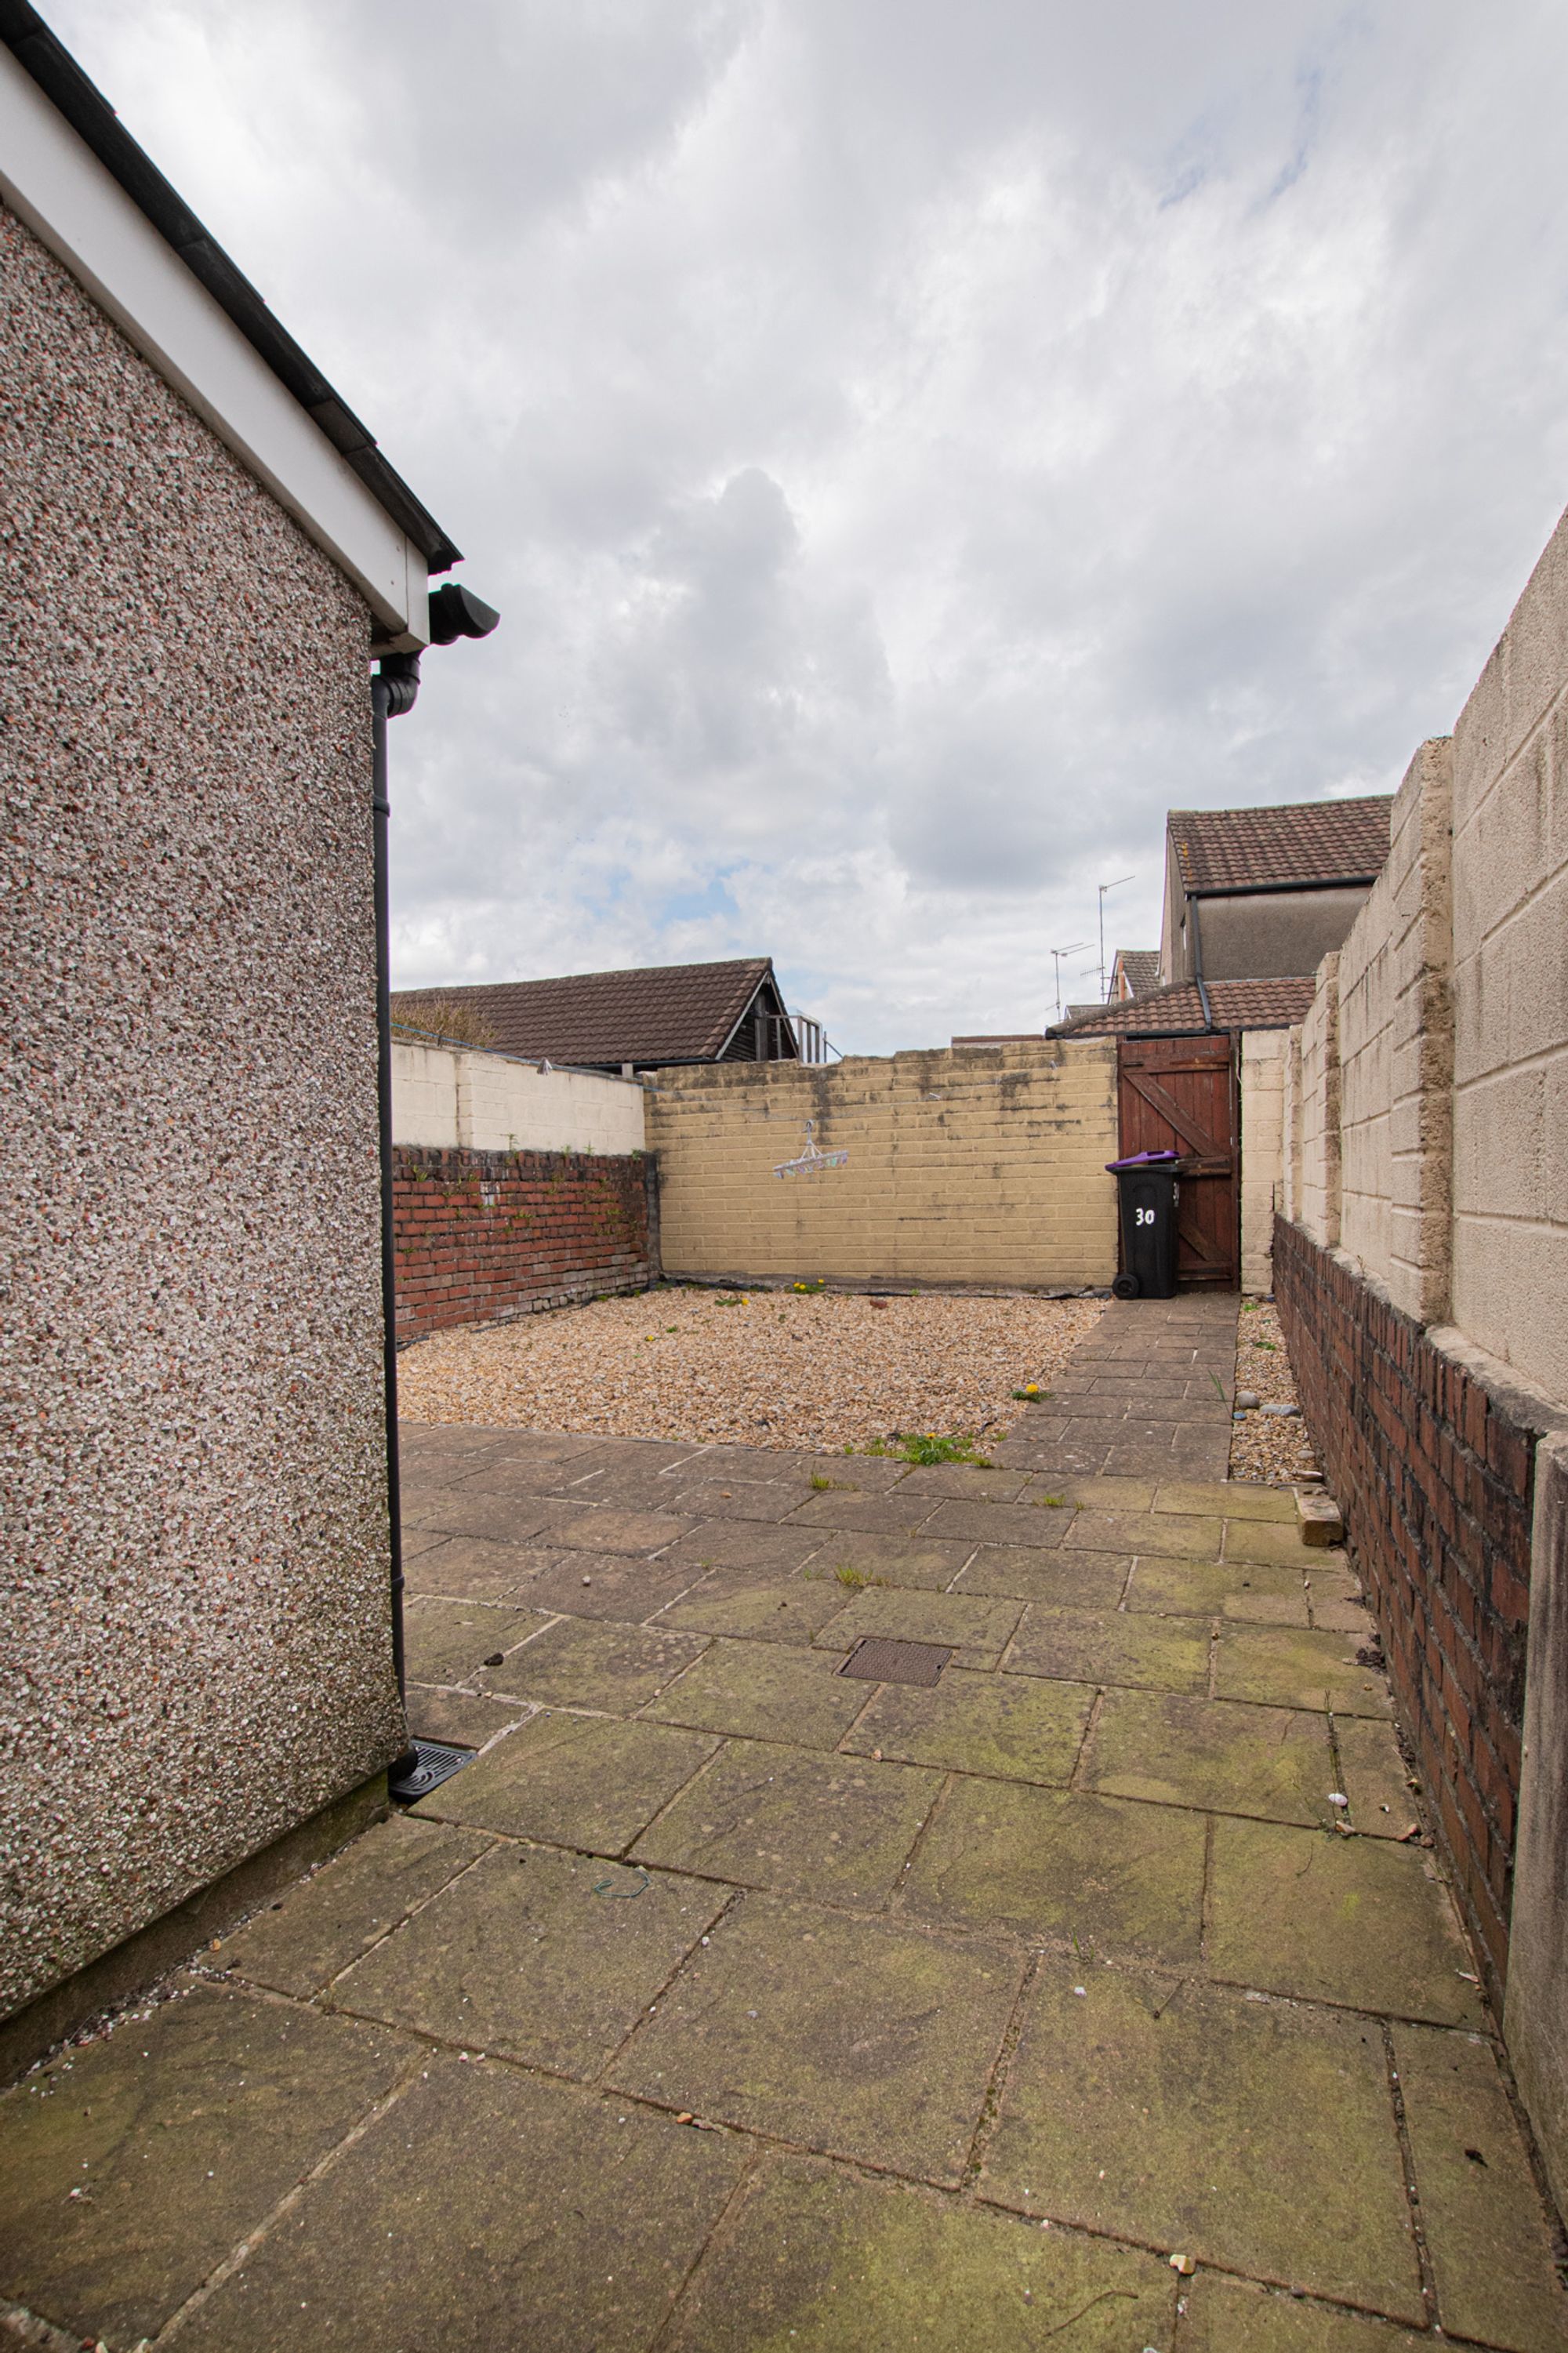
(876, 1660)
(434, 1762)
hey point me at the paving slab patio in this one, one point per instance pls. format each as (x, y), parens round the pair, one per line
(727, 2001)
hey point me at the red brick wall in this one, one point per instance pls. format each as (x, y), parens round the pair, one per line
(1435, 1476)
(486, 1236)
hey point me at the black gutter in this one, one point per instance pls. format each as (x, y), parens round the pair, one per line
(1139, 1036)
(1264, 890)
(56, 73)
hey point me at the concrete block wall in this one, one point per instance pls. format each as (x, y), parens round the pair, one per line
(1264, 1063)
(1423, 1274)
(1510, 989)
(969, 1165)
(1395, 1045)
(1291, 1178)
(1317, 1141)
(452, 1097)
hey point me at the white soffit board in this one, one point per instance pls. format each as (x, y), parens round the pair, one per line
(56, 184)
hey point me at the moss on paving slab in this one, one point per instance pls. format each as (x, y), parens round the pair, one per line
(1338, 1919)
(1205, 1588)
(1069, 1580)
(591, 1782)
(1014, 1726)
(300, 1943)
(1266, 1761)
(577, 1663)
(859, 2038)
(1486, 2230)
(551, 1958)
(766, 1690)
(485, 2211)
(1284, 1667)
(1258, 2136)
(790, 1819)
(975, 1626)
(1120, 1647)
(819, 2260)
(767, 1609)
(130, 2172)
(1053, 1866)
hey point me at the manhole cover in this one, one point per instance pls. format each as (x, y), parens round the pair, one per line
(436, 1763)
(875, 1660)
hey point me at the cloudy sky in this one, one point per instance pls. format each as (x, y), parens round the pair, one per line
(913, 442)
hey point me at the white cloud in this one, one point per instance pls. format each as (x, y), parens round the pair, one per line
(911, 446)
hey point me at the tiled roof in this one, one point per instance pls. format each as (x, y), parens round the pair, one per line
(1140, 968)
(1235, 1004)
(1300, 841)
(661, 1013)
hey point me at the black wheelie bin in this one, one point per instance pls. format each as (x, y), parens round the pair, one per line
(1149, 1188)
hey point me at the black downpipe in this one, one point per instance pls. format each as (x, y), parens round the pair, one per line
(392, 692)
(1198, 966)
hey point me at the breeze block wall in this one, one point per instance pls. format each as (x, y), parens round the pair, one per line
(981, 1166)
(196, 1653)
(1433, 1469)
(484, 1236)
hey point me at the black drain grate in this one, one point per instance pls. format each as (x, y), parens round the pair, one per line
(876, 1660)
(436, 1763)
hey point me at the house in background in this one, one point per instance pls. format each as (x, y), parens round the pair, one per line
(1255, 900)
(645, 1019)
(1258, 893)
(1134, 973)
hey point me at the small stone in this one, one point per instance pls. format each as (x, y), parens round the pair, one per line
(1248, 1401)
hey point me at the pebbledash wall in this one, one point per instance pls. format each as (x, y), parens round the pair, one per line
(1421, 1266)
(196, 1655)
(516, 1187)
(971, 1167)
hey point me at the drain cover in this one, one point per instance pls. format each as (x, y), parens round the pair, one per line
(436, 1763)
(875, 1660)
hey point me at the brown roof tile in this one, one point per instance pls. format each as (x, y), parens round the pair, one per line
(1235, 1004)
(1141, 969)
(659, 1013)
(1300, 841)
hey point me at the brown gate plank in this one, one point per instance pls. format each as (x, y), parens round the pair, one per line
(1177, 1115)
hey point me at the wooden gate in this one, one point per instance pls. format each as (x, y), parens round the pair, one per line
(1180, 1094)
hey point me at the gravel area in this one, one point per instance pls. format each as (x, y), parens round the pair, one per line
(1265, 1447)
(822, 1369)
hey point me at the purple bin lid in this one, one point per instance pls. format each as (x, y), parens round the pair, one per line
(1143, 1160)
